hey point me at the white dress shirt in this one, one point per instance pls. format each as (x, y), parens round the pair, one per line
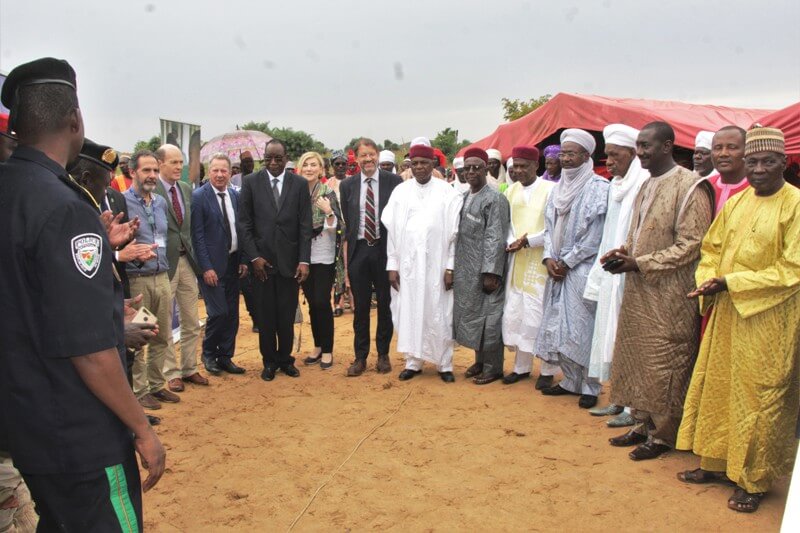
(280, 181)
(231, 215)
(363, 204)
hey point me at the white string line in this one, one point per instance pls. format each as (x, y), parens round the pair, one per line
(336, 471)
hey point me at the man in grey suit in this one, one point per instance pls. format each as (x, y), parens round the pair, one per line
(183, 269)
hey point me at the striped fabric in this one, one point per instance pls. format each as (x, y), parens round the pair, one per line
(120, 499)
(370, 230)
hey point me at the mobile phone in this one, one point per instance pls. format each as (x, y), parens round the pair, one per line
(612, 264)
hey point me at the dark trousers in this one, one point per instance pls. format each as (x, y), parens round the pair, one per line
(222, 306)
(367, 271)
(249, 286)
(317, 288)
(109, 499)
(278, 304)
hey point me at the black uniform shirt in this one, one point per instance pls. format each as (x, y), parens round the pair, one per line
(58, 299)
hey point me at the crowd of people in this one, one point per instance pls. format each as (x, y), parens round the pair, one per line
(679, 289)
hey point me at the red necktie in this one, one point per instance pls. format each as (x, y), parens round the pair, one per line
(370, 230)
(176, 205)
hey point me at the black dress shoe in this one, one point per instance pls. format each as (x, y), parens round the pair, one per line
(291, 371)
(587, 401)
(514, 377)
(212, 366)
(474, 370)
(544, 382)
(407, 374)
(447, 377)
(648, 450)
(630, 438)
(308, 361)
(229, 366)
(485, 379)
(556, 390)
(153, 420)
(268, 374)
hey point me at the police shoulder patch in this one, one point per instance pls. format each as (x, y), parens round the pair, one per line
(87, 251)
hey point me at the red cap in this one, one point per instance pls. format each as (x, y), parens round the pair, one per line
(531, 153)
(3, 123)
(420, 150)
(476, 152)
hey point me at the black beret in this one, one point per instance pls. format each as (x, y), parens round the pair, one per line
(105, 156)
(40, 71)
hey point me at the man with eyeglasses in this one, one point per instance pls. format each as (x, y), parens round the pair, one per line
(151, 279)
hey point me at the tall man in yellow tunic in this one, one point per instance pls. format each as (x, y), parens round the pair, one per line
(659, 328)
(744, 396)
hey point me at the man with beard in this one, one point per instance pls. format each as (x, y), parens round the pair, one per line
(658, 330)
(496, 173)
(727, 153)
(703, 163)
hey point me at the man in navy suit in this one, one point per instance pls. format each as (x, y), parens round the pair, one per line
(215, 214)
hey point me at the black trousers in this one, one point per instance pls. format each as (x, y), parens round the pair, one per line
(317, 288)
(102, 500)
(249, 287)
(222, 306)
(278, 297)
(367, 271)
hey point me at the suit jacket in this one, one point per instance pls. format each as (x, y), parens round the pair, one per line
(118, 205)
(350, 196)
(280, 234)
(209, 238)
(179, 235)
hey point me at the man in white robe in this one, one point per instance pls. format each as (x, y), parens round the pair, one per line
(496, 174)
(602, 286)
(460, 183)
(421, 220)
(703, 163)
(522, 314)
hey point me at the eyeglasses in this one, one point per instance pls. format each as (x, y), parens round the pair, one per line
(474, 168)
(277, 158)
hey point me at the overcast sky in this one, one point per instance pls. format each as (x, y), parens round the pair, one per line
(341, 69)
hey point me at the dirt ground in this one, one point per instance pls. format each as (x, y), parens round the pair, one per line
(247, 455)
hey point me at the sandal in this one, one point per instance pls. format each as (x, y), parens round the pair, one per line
(699, 476)
(745, 502)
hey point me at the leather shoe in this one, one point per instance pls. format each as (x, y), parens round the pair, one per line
(148, 402)
(153, 420)
(544, 382)
(586, 401)
(608, 410)
(357, 368)
(648, 450)
(225, 363)
(514, 377)
(291, 371)
(165, 396)
(310, 360)
(175, 385)
(407, 374)
(268, 374)
(486, 379)
(384, 366)
(212, 367)
(447, 377)
(196, 378)
(474, 370)
(556, 390)
(630, 438)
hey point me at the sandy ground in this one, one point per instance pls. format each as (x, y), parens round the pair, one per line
(247, 455)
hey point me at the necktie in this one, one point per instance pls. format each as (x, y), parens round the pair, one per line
(275, 192)
(225, 221)
(176, 205)
(370, 230)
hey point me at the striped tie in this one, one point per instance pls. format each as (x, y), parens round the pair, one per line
(370, 230)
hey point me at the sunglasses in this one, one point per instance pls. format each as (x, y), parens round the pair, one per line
(473, 168)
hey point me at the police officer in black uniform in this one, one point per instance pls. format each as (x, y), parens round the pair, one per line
(67, 415)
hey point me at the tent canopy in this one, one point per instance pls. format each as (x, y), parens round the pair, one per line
(593, 113)
(787, 120)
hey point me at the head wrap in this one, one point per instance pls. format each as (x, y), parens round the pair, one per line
(494, 154)
(620, 135)
(420, 150)
(552, 151)
(420, 140)
(510, 162)
(703, 139)
(761, 139)
(476, 152)
(458, 162)
(531, 153)
(386, 156)
(581, 137)
(337, 154)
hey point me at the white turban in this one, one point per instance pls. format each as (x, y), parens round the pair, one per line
(620, 135)
(510, 162)
(420, 140)
(386, 156)
(583, 138)
(494, 154)
(458, 162)
(704, 139)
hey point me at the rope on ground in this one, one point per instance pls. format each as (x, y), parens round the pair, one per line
(336, 471)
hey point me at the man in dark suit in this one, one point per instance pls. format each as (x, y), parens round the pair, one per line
(275, 217)
(183, 269)
(363, 198)
(215, 214)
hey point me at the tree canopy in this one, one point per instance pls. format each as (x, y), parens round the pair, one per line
(517, 108)
(297, 142)
(153, 144)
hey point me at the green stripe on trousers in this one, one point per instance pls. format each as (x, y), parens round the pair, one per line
(120, 500)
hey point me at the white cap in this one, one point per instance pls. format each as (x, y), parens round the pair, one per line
(704, 139)
(458, 162)
(583, 138)
(386, 156)
(494, 154)
(510, 162)
(420, 140)
(620, 135)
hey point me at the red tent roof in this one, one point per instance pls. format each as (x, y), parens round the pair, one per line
(593, 113)
(787, 120)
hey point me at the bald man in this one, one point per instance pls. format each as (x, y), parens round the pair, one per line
(183, 269)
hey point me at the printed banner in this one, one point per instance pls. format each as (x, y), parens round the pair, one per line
(187, 138)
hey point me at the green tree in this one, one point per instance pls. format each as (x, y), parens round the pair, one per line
(514, 109)
(389, 145)
(153, 144)
(447, 141)
(297, 142)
